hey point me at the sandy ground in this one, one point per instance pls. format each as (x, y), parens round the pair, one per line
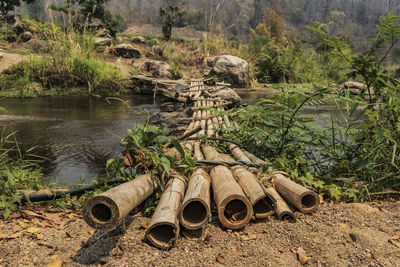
(10, 59)
(336, 235)
(185, 32)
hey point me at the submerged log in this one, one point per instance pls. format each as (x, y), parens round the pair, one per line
(282, 210)
(302, 198)
(195, 209)
(234, 208)
(107, 209)
(164, 225)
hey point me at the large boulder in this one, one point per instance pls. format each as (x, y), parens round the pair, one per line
(127, 51)
(26, 36)
(231, 98)
(139, 40)
(233, 68)
(14, 21)
(158, 69)
(103, 41)
(85, 23)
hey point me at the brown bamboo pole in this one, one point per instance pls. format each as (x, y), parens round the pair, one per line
(263, 205)
(107, 209)
(302, 198)
(234, 209)
(252, 157)
(164, 225)
(282, 210)
(195, 209)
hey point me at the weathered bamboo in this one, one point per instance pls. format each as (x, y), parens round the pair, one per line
(196, 128)
(302, 198)
(282, 210)
(263, 205)
(195, 209)
(107, 209)
(252, 157)
(164, 225)
(238, 153)
(234, 209)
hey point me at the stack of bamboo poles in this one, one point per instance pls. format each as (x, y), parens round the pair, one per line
(237, 193)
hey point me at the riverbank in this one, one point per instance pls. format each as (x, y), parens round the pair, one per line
(360, 234)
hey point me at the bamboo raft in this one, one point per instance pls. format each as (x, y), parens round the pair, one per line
(237, 193)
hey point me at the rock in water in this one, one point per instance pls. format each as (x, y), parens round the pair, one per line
(158, 69)
(231, 98)
(232, 67)
(127, 51)
(26, 36)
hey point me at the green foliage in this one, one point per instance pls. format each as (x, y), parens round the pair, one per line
(92, 8)
(72, 64)
(171, 12)
(360, 146)
(17, 172)
(9, 5)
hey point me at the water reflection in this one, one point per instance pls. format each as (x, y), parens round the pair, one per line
(74, 133)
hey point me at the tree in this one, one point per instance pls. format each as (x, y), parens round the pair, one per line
(171, 11)
(9, 5)
(92, 8)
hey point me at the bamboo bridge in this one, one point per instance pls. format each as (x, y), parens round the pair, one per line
(239, 196)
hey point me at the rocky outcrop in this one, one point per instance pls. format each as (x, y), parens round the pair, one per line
(231, 98)
(103, 41)
(233, 68)
(82, 22)
(26, 36)
(1, 55)
(158, 69)
(353, 87)
(155, 51)
(127, 51)
(139, 40)
(210, 61)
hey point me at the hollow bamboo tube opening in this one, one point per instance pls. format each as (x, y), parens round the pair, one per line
(164, 226)
(107, 209)
(302, 198)
(234, 208)
(263, 205)
(195, 210)
(282, 210)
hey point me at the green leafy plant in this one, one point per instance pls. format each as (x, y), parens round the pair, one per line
(18, 171)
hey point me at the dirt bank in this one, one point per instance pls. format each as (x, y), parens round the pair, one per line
(337, 235)
(10, 59)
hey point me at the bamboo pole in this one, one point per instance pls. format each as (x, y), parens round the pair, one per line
(234, 209)
(282, 210)
(263, 205)
(195, 209)
(107, 209)
(302, 198)
(164, 225)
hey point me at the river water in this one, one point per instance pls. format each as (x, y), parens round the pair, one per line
(77, 135)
